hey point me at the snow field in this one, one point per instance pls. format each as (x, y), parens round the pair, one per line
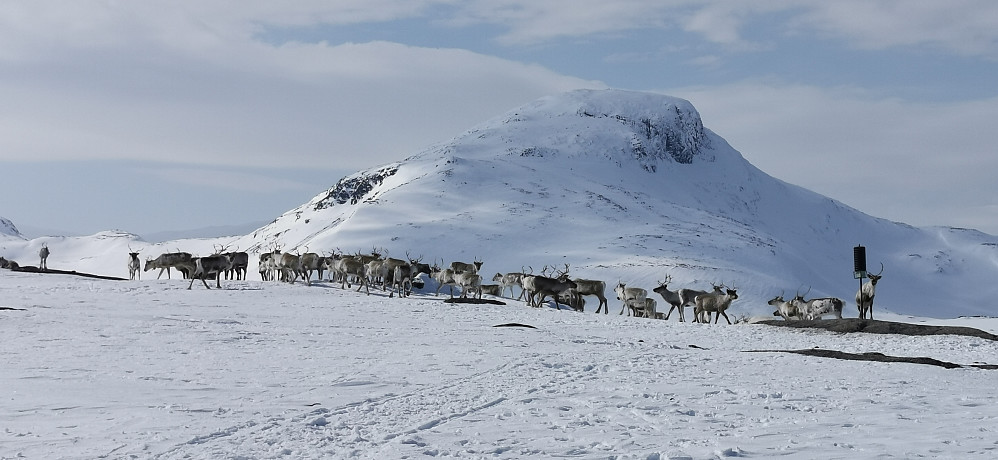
(148, 369)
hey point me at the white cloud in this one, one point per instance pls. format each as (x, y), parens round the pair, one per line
(920, 162)
(530, 22)
(968, 27)
(179, 88)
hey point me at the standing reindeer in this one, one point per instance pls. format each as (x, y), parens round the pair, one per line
(133, 265)
(44, 254)
(864, 297)
(631, 297)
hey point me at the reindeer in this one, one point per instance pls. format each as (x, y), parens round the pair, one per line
(461, 267)
(670, 297)
(469, 282)
(591, 287)
(418, 266)
(289, 266)
(494, 290)
(688, 296)
(444, 277)
(387, 271)
(240, 262)
(649, 309)
(786, 309)
(268, 265)
(864, 297)
(716, 303)
(509, 280)
(402, 280)
(206, 266)
(44, 254)
(630, 296)
(347, 266)
(133, 265)
(546, 286)
(815, 308)
(182, 261)
(310, 262)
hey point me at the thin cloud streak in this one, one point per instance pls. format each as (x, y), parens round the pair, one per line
(222, 179)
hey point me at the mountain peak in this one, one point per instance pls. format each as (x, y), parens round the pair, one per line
(7, 228)
(614, 124)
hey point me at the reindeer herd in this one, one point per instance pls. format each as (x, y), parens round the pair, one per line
(398, 276)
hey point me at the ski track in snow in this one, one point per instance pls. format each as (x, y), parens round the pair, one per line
(148, 369)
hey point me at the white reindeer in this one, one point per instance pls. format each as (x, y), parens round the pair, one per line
(444, 277)
(44, 254)
(864, 297)
(134, 265)
(816, 308)
(630, 296)
(469, 282)
(785, 309)
(509, 280)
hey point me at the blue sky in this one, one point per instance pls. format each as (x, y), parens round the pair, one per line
(153, 116)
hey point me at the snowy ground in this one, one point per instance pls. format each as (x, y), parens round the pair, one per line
(148, 369)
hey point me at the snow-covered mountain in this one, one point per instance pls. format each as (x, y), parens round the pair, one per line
(8, 230)
(621, 186)
(631, 186)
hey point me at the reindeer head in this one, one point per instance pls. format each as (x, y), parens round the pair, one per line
(665, 283)
(562, 275)
(620, 290)
(875, 278)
